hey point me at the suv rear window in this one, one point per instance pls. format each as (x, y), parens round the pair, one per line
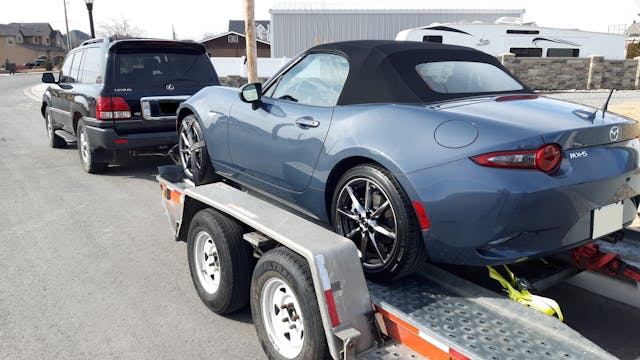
(155, 68)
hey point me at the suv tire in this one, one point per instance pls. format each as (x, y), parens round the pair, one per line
(54, 140)
(86, 153)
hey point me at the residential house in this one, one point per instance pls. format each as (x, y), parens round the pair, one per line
(633, 32)
(633, 40)
(263, 28)
(233, 44)
(23, 42)
(77, 37)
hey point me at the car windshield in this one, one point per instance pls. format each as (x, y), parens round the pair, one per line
(151, 69)
(458, 77)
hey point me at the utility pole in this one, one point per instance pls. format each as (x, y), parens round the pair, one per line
(250, 40)
(66, 22)
(173, 32)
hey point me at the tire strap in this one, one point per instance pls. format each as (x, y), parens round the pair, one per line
(523, 296)
(589, 257)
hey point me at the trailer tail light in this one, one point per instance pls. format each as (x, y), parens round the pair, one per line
(546, 159)
(112, 108)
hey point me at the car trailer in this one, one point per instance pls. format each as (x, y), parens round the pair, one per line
(309, 297)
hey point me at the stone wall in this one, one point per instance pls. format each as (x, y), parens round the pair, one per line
(574, 73)
(236, 81)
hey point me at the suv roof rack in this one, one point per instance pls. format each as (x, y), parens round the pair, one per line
(106, 39)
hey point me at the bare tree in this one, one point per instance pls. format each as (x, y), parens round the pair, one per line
(121, 28)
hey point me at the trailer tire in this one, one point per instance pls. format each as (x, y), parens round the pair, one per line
(219, 260)
(283, 277)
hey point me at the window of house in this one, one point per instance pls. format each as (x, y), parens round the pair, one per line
(232, 38)
(19, 38)
(11, 41)
(47, 41)
(551, 52)
(526, 52)
(36, 40)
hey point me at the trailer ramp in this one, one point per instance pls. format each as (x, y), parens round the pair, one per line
(440, 315)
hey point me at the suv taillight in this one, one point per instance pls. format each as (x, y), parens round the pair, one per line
(112, 108)
(546, 158)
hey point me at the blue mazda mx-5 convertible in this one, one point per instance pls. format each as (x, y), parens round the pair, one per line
(419, 151)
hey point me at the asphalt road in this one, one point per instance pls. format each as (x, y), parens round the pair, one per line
(88, 265)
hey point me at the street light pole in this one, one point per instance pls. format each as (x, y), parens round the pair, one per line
(90, 9)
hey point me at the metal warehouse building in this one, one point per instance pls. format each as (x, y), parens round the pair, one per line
(298, 26)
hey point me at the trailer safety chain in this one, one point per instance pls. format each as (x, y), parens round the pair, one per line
(589, 257)
(521, 295)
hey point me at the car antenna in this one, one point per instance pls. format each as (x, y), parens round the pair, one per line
(606, 104)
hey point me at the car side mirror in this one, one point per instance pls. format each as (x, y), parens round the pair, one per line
(251, 93)
(48, 78)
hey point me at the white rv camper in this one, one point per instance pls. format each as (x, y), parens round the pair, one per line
(521, 40)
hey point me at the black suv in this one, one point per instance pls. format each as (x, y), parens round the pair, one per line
(122, 95)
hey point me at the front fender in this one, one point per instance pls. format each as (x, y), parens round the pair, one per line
(212, 106)
(46, 102)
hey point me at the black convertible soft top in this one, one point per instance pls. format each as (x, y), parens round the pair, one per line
(384, 71)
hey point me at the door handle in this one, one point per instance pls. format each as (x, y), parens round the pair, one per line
(306, 122)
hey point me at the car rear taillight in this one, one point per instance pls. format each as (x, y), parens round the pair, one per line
(112, 108)
(546, 158)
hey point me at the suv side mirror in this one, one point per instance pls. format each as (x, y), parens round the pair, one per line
(251, 93)
(48, 78)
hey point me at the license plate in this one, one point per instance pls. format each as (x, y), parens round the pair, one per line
(607, 219)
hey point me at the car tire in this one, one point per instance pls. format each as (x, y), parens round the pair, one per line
(284, 307)
(383, 224)
(219, 261)
(193, 153)
(55, 141)
(86, 153)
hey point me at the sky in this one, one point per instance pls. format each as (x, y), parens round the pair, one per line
(192, 19)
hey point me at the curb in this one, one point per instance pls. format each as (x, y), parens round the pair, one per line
(35, 92)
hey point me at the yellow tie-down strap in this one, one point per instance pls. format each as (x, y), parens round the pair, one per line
(524, 297)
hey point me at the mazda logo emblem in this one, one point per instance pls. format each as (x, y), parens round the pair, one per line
(170, 87)
(614, 133)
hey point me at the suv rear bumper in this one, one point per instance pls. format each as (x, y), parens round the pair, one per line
(108, 138)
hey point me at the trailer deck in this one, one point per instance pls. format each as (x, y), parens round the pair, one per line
(433, 313)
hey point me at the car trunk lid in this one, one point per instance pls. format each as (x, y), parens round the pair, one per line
(570, 125)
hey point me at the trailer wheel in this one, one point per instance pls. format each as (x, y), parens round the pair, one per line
(284, 307)
(219, 261)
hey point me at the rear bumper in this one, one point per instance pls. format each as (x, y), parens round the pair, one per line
(485, 216)
(109, 139)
